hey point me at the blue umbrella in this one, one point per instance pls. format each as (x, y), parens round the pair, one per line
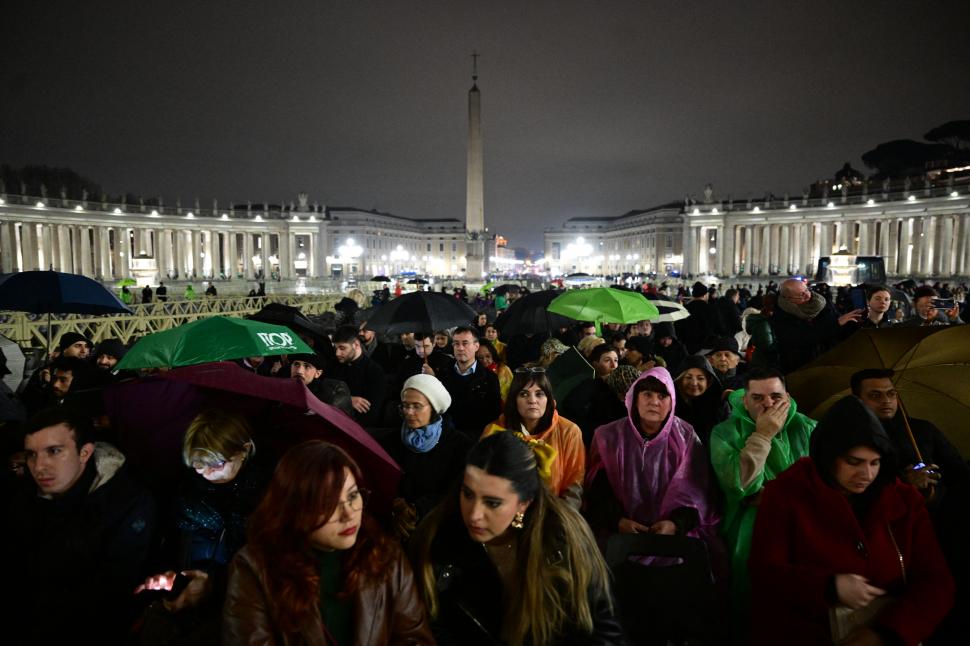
(54, 292)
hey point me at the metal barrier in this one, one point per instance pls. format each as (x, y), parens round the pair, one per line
(31, 329)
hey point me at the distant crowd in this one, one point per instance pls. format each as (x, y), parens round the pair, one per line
(556, 487)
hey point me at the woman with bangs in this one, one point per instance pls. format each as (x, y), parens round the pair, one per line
(317, 569)
(530, 409)
(503, 561)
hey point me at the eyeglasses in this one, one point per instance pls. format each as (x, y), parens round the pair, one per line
(355, 501)
(404, 407)
(524, 369)
(199, 465)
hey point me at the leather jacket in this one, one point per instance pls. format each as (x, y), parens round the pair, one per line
(386, 611)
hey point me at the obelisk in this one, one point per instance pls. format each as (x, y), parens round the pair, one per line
(476, 261)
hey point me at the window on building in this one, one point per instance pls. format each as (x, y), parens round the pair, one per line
(441, 246)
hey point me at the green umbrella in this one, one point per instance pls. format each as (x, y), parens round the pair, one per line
(127, 282)
(604, 305)
(213, 339)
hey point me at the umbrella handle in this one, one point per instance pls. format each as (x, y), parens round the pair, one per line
(909, 431)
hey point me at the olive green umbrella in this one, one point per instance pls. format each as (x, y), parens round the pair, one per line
(218, 338)
(604, 305)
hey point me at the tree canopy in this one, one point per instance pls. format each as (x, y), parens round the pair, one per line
(902, 157)
(955, 134)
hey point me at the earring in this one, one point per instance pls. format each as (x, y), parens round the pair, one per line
(519, 521)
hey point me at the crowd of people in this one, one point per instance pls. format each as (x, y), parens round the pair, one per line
(515, 481)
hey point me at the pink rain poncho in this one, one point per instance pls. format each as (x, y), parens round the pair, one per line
(652, 478)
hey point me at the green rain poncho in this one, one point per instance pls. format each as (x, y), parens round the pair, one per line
(727, 441)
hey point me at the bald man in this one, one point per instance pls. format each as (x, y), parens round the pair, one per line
(805, 325)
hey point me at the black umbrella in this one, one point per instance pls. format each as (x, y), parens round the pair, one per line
(529, 315)
(54, 292)
(505, 289)
(420, 311)
(417, 281)
(380, 279)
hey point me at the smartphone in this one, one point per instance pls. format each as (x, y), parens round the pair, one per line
(943, 303)
(178, 586)
(919, 466)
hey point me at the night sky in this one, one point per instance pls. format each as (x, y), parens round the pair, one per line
(589, 108)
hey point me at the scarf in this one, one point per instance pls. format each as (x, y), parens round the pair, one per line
(803, 311)
(423, 439)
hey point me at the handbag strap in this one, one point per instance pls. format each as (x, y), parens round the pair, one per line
(902, 563)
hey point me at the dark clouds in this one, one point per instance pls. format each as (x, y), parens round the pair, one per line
(589, 108)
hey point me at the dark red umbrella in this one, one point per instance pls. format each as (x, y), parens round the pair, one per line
(151, 415)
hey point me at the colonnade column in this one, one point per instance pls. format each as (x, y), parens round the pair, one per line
(924, 243)
(86, 251)
(963, 250)
(784, 249)
(285, 246)
(229, 241)
(8, 247)
(725, 250)
(126, 253)
(214, 248)
(247, 259)
(264, 254)
(944, 243)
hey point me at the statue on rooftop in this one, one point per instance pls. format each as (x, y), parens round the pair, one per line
(708, 194)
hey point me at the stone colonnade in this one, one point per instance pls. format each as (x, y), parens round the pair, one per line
(912, 245)
(184, 251)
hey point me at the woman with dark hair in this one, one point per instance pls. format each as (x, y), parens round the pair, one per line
(530, 409)
(502, 560)
(838, 531)
(317, 568)
(489, 356)
(699, 396)
(648, 472)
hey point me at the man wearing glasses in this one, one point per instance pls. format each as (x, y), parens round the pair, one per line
(805, 325)
(474, 389)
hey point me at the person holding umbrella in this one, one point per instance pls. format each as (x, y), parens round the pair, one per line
(838, 535)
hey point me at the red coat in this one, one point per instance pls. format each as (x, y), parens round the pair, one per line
(806, 532)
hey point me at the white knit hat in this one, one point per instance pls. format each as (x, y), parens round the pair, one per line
(431, 388)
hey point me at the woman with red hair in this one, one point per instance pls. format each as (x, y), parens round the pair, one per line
(317, 569)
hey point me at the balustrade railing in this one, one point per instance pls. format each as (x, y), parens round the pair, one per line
(30, 330)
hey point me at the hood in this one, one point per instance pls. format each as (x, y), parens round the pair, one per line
(664, 377)
(701, 363)
(107, 462)
(847, 424)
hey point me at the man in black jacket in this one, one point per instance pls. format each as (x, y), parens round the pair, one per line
(308, 368)
(364, 377)
(474, 389)
(805, 325)
(78, 538)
